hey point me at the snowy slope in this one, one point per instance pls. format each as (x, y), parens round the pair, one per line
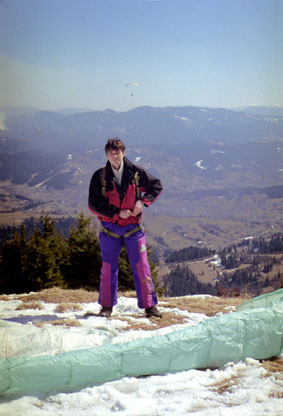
(245, 388)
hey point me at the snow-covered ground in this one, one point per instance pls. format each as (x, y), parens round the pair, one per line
(245, 388)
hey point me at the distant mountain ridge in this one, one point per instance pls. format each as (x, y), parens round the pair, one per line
(168, 127)
(263, 110)
(212, 162)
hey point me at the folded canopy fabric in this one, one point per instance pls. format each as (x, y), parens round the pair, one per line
(266, 300)
(255, 333)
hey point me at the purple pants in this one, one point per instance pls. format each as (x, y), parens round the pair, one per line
(136, 248)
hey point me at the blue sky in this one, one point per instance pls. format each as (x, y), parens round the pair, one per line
(81, 53)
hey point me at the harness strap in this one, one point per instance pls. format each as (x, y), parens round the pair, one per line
(136, 180)
(128, 234)
(103, 182)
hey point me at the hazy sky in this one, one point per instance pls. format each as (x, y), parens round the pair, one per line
(81, 53)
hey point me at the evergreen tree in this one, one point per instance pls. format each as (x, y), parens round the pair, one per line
(83, 262)
(154, 271)
(181, 281)
(45, 256)
(125, 275)
(13, 268)
(188, 253)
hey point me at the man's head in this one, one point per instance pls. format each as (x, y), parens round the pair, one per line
(115, 151)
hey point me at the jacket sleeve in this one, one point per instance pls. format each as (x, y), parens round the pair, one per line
(150, 186)
(98, 203)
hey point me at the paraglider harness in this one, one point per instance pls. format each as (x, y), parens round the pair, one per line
(138, 195)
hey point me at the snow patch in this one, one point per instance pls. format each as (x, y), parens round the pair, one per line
(185, 119)
(241, 389)
(198, 164)
(215, 151)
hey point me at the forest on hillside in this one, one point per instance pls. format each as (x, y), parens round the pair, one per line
(65, 253)
(249, 263)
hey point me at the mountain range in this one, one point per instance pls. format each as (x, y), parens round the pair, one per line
(213, 162)
(210, 143)
(169, 127)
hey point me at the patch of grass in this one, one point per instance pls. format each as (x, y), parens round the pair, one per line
(276, 395)
(226, 386)
(61, 322)
(208, 305)
(29, 305)
(5, 298)
(128, 294)
(168, 319)
(57, 295)
(274, 365)
(63, 307)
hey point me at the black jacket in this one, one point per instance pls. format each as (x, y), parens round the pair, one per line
(124, 196)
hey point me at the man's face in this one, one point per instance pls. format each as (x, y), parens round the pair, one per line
(115, 157)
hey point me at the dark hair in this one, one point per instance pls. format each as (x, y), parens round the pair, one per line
(115, 144)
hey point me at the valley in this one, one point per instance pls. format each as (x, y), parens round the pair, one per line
(222, 171)
(210, 221)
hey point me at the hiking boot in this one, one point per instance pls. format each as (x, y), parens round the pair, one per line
(153, 311)
(105, 311)
(88, 314)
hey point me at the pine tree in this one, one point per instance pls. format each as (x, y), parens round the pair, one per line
(125, 275)
(126, 281)
(181, 281)
(45, 256)
(154, 272)
(13, 269)
(83, 262)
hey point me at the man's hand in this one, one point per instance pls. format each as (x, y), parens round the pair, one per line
(137, 208)
(125, 213)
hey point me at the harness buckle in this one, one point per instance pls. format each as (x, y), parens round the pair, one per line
(128, 234)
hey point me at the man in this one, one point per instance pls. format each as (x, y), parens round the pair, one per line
(117, 194)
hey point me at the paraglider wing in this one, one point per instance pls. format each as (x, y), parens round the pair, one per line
(132, 83)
